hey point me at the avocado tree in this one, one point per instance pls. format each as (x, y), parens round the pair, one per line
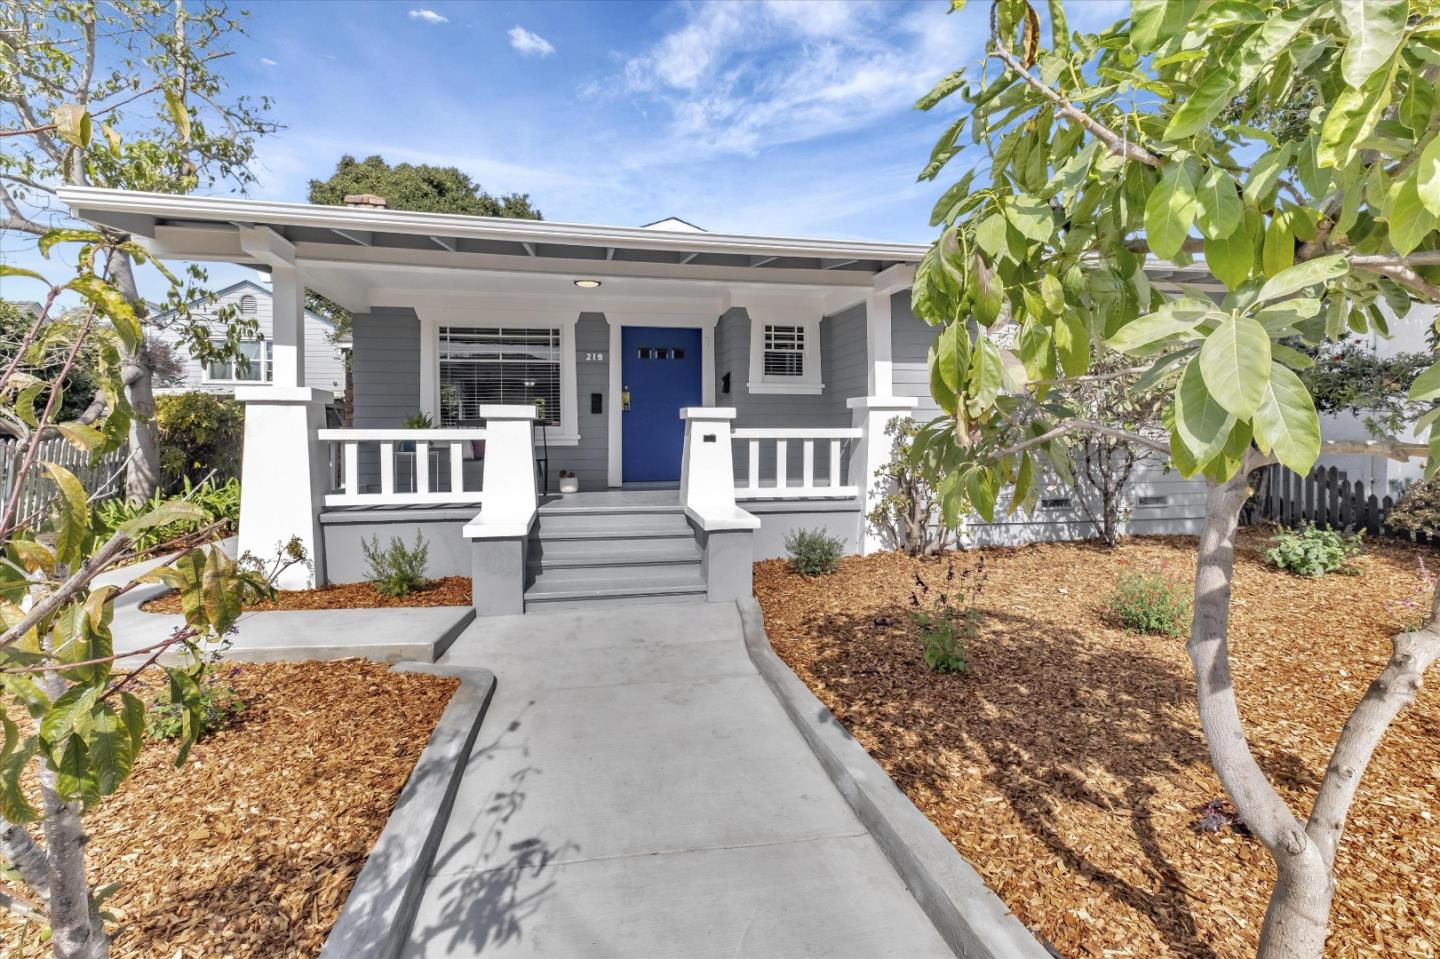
(1154, 140)
(72, 722)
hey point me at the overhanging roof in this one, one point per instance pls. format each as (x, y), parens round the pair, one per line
(145, 214)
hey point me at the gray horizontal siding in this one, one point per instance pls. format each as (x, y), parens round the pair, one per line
(588, 461)
(385, 367)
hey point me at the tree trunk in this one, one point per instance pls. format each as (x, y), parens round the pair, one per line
(142, 475)
(1299, 906)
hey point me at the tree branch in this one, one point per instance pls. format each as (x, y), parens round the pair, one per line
(1119, 145)
(21, 851)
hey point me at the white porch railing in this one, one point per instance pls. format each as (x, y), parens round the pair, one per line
(779, 486)
(345, 467)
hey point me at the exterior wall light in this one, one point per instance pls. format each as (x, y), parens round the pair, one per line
(587, 284)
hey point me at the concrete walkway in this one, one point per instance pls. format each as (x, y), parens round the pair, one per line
(637, 791)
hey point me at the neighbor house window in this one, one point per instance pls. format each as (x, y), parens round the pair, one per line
(257, 370)
(498, 365)
(784, 350)
(247, 305)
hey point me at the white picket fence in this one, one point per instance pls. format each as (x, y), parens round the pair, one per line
(102, 478)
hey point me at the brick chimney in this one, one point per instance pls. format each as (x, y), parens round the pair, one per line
(365, 200)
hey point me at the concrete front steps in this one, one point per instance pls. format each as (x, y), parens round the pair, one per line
(588, 554)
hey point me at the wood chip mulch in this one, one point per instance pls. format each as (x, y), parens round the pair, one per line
(449, 591)
(251, 847)
(1068, 767)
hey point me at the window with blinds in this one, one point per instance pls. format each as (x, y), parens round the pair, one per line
(784, 350)
(484, 365)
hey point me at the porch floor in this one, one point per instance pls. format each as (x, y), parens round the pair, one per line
(609, 499)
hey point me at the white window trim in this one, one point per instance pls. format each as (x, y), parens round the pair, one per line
(803, 314)
(490, 317)
(266, 365)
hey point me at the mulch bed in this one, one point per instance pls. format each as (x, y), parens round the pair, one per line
(1068, 767)
(251, 847)
(449, 591)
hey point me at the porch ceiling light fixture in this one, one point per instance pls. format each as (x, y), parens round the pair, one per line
(587, 284)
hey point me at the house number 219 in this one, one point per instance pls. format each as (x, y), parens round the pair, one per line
(594, 357)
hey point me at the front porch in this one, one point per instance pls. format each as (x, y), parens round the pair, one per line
(747, 381)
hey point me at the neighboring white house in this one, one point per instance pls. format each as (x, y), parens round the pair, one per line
(252, 299)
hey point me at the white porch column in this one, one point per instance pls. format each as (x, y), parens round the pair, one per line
(284, 477)
(287, 346)
(871, 414)
(508, 490)
(499, 535)
(707, 469)
(880, 377)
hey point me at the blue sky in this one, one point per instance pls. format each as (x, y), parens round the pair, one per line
(762, 116)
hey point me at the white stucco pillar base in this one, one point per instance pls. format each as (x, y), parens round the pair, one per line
(283, 477)
(872, 453)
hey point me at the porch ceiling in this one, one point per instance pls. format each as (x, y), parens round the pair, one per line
(333, 242)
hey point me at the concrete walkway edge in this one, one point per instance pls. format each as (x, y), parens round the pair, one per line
(377, 917)
(974, 922)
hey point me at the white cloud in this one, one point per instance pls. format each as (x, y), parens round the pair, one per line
(530, 44)
(268, 62)
(737, 78)
(427, 15)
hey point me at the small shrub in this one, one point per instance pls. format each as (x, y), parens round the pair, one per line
(1151, 603)
(813, 552)
(947, 618)
(200, 434)
(418, 421)
(397, 570)
(220, 705)
(219, 501)
(1311, 551)
(1418, 509)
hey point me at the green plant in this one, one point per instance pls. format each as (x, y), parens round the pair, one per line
(201, 434)
(1418, 509)
(1151, 602)
(397, 570)
(219, 705)
(813, 552)
(947, 619)
(1312, 551)
(907, 510)
(213, 502)
(418, 421)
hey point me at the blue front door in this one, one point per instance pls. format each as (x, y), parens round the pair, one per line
(660, 372)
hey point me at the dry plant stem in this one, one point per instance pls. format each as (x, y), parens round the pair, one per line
(78, 580)
(29, 338)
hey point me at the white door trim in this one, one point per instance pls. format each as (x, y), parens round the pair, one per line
(705, 323)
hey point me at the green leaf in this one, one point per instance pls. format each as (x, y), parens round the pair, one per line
(74, 776)
(1427, 385)
(982, 493)
(1072, 344)
(1031, 216)
(941, 90)
(185, 692)
(987, 373)
(1170, 210)
(72, 124)
(1278, 252)
(112, 304)
(1270, 41)
(175, 102)
(1286, 422)
(171, 511)
(1375, 28)
(82, 436)
(1427, 176)
(1024, 479)
(1352, 118)
(1172, 317)
(1235, 363)
(112, 139)
(14, 806)
(68, 715)
(1231, 259)
(1052, 291)
(111, 749)
(72, 514)
(1202, 105)
(7, 269)
(1202, 424)
(1410, 219)
(1302, 275)
(1217, 204)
